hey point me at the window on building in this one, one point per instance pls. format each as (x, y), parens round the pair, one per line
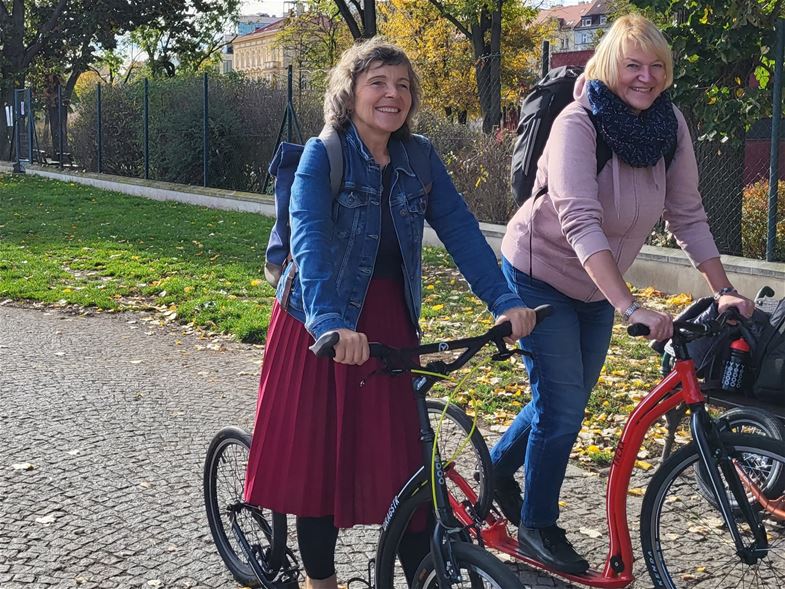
(586, 21)
(603, 19)
(565, 43)
(585, 38)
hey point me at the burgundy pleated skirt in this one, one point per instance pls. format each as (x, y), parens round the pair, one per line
(322, 444)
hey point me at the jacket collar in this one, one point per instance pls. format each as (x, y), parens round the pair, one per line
(399, 157)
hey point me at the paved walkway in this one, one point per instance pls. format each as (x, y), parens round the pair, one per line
(104, 423)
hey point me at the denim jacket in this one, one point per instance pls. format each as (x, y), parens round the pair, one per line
(334, 240)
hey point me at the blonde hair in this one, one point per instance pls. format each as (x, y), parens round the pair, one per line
(339, 97)
(631, 28)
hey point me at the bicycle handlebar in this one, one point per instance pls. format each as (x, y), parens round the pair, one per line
(696, 330)
(325, 345)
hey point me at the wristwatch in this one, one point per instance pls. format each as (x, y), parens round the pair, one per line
(724, 291)
(634, 306)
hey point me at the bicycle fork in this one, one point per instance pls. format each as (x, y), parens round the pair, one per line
(447, 529)
(721, 471)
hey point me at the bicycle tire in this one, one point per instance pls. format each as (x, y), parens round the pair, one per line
(478, 568)
(678, 523)
(473, 464)
(224, 480)
(749, 420)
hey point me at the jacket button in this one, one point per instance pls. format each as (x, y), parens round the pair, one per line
(403, 212)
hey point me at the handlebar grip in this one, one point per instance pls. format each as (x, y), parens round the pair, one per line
(501, 330)
(542, 312)
(505, 329)
(324, 347)
(638, 329)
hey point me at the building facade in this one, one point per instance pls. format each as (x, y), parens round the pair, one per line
(257, 54)
(576, 29)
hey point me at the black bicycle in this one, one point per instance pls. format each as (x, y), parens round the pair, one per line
(252, 541)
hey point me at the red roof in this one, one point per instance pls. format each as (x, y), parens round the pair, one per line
(568, 16)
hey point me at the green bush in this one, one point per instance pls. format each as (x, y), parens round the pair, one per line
(478, 163)
(244, 120)
(755, 214)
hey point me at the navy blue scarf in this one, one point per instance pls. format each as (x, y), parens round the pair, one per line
(640, 140)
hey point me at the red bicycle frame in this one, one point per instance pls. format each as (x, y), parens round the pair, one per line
(680, 386)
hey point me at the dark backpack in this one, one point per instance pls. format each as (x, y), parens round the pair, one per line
(538, 111)
(283, 168)
(769, 355)
(765, 336)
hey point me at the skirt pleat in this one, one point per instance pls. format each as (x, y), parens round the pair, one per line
(323, 442)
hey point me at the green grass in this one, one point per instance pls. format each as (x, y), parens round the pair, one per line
(68, 244)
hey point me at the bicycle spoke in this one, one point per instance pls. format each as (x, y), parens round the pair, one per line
(685, 532)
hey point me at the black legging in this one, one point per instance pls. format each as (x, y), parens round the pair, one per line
(317, 536)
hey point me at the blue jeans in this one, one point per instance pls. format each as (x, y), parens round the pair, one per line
(568, 349)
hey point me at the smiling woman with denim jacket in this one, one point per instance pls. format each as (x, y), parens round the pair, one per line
(325, 449)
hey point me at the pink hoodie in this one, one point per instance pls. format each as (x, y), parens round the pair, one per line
(584, 213)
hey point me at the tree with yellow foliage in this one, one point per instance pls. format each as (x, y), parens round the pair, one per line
(473, 54)
(442, 58)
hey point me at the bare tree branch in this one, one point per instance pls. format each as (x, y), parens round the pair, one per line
(347, 15)
(458, 25)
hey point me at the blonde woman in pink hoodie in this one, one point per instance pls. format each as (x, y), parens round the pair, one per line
(570, 248)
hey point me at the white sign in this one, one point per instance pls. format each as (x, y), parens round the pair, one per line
(9, 115)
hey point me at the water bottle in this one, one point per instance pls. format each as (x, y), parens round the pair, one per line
(736, 366)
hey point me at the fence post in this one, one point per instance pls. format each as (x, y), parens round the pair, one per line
(206, 138)
(98, 126)
(17, 133)
(546, 57)
(30, 125)
(146, 127)
(60, 139)
(776, 115)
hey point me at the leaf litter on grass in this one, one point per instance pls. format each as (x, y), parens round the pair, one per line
(202, 268)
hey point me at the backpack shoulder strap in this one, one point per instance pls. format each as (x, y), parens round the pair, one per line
(331, 140)
(603, 150)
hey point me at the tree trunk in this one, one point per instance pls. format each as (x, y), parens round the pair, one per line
(721, 170)
(487, 53)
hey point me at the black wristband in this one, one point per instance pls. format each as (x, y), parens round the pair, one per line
(725, 291)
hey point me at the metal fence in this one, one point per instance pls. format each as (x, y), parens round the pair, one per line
(221, 131)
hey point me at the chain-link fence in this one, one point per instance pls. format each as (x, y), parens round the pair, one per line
(221, 131)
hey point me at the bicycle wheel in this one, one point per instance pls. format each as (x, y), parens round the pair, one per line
(684, 538)
(749, 420)
(224, 479)
(477, 568)
(471, 461)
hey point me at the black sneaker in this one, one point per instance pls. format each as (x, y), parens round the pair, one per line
(507, 494)
(550, 546)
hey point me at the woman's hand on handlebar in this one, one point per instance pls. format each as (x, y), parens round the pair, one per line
(744, 305)
(523, 321)
(352, 347)
(660, 324)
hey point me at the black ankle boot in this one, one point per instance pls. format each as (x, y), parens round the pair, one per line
(550, 546)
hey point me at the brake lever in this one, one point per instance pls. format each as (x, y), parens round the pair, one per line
(508, 353)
